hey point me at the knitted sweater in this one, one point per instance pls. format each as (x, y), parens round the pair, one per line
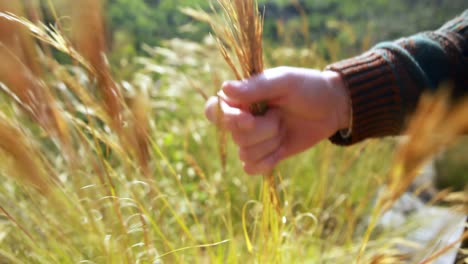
(386, 82)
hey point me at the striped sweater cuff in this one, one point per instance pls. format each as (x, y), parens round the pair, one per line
(375, 97)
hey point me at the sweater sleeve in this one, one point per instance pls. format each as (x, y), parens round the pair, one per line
(386, 82)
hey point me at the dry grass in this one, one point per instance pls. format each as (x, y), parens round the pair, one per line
(91, 44)
(239, 32)
(21, 74)
(25, 164)
(88, 49)
(437, 123)
(110, 143)
(125, 194)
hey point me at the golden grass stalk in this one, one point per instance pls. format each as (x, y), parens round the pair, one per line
(31, 94)
(89, 40)
(16, 38)
(238, 31)
(90, 53)
(436, 123)
(445, 249)
(26, 165)
(138, 133)
(86, 15)
(21, 73)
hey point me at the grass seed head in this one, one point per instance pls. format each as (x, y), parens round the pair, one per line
(435, 124)
(87, 15)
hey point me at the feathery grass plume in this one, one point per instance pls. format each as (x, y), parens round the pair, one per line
(21, 74)
(91, 44)
(31, 94)
(435, 124)
(87, 15)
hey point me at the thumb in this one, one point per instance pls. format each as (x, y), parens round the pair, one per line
(263, 87)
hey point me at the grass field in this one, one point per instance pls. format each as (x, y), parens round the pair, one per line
(117, 164)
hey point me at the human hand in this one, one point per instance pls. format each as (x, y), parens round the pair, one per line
(305, 107)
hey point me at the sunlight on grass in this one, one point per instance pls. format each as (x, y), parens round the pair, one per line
(97, 169)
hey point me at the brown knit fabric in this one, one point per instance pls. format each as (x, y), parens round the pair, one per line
(385, 84)
(376, 112)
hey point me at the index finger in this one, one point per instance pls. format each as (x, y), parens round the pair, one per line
(270, 85)
(222, 114)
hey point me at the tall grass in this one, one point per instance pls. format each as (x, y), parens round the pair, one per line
(100, 170)
(437, 123)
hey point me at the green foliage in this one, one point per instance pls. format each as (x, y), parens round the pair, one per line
(150, 21)
(452, 167)
(355, 26)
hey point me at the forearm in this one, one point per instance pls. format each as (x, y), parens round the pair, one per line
(385, 84)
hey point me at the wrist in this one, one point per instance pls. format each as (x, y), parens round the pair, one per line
(341, 101)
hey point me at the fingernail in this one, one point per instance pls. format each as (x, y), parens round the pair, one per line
(228, 84)
(210, 109)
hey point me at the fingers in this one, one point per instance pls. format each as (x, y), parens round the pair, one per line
(262, 157)
(259, 138)
(264, 128)
(224, 115)
(258, 152)
(261, 148)
(270, 85)
(264, 165)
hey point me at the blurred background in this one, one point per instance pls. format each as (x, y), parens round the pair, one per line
(356, 24)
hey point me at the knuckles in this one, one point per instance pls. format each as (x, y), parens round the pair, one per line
(248, 155)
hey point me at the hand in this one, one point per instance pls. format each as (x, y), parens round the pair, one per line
(305, 107)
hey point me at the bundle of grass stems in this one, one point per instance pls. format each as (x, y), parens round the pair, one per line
(239, 33)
